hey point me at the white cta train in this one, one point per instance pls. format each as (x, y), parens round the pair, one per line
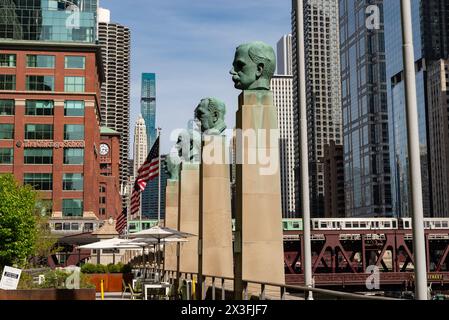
(377, 224)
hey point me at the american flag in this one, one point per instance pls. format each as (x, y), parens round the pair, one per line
(122, 221)
(148, 171)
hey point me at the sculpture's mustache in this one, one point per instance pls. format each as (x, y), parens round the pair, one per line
(236, 78)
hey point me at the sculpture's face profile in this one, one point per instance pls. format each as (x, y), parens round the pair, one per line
(253, 67)
(183, 145)
(210, 115)
(205, 116)
(244, 71)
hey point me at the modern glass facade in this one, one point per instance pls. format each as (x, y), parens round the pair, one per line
(148, 106)
(365, 112)
(152, 188)
(49, 20)
(396, 110)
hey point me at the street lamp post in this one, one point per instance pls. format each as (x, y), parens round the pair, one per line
(414, 153)
(304, 146)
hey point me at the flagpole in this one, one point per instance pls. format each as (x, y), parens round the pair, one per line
(159, 180)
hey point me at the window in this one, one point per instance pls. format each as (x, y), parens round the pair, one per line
(39, 108)
(102, 200)
(88, 227)
(102, 211)
(39, 181)
(102, 189)
(7, 82)
(72, 62)
(74, 108)
(72, 208)
(38, 156)
(6, 107)
(40, 61)
(40, 83)
(73, 132)
(6, 156)
(73, 182)
(7, 60)
(74, 84)
(39, 132)
(74, 156)
(7, 131)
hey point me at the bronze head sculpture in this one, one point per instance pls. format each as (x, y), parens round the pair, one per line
(210, 113)
(189, 146)
(173, 162)
(253, 67)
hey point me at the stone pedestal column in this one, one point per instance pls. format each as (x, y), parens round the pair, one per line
(189, 215)
(215, 209)
(171, 221)
(259, 240)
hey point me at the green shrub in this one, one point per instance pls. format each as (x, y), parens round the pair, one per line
(101, 268)
(55, 279)
(112, 268)
(85, 282)
(89, 268)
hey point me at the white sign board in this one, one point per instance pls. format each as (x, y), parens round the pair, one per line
(10, 278)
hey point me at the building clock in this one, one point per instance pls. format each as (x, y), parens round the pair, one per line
(104, 149)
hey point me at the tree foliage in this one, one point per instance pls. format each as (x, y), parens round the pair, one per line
(18, 222)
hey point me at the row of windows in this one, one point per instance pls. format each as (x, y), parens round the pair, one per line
(43, 131)
(72, 156)
(43, 108)
(44, 181)
(43, 61)
(43, 83)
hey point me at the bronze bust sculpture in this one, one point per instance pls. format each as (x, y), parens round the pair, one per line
(210, 114)
(253, 67)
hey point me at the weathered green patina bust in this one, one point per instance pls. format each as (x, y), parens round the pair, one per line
(254, 66)
(210, 114)
(189, 146)
(173, 162)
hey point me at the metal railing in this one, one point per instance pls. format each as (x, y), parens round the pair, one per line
(250, 291)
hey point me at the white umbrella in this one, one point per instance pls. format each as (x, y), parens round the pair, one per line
(160, 233)
(104, 244)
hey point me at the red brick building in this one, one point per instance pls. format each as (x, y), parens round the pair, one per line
(50, 130)
(109, 189)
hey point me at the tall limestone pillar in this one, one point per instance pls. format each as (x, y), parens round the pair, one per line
(259, 239)
(189, 215)
(216, 256)
(171, 221)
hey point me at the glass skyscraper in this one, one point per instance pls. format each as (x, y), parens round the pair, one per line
(365, 112)
(49, 20)
(148, 106)
(396, 101)
(148, 111)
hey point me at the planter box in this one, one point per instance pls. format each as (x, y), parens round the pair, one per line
(112, 282)
(48, 294)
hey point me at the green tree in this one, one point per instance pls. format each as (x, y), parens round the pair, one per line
(18, 222)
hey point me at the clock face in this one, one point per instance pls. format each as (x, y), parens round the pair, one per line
(104, 149)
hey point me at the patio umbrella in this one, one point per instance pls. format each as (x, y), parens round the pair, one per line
(160, 234)
(114, 243)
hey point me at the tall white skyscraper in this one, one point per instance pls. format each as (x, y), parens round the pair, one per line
(324, 114)
(140, 144)
(284, 56)
(282, 87)
(115, 42)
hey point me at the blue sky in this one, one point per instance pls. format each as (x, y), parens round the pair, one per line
(190, 45)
